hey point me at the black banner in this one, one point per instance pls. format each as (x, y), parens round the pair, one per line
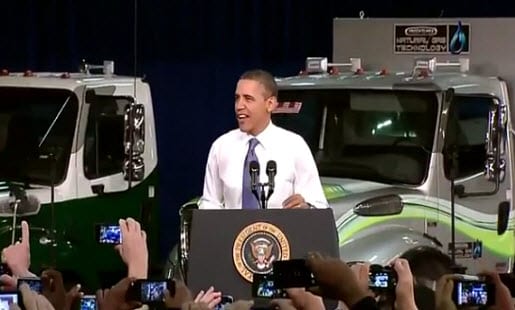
(432, 38)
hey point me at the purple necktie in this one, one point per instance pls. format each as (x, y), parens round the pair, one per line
(248, 200)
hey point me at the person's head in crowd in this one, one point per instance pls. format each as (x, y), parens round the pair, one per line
(428, 264)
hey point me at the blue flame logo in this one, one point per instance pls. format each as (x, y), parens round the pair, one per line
(458, 40)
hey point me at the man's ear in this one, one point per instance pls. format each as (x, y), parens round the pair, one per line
(271, 104)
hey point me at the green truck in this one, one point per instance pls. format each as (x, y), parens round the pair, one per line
(76, 150)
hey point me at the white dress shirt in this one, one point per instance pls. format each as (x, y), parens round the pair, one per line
(297, 172)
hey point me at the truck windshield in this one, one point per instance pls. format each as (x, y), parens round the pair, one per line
(375, 135)
(36, 134)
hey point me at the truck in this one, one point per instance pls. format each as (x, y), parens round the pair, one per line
(76, 150)
(411, 129)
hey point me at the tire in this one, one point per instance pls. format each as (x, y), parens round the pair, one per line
(172, 269)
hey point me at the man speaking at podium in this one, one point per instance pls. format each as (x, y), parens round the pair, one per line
(246, 165)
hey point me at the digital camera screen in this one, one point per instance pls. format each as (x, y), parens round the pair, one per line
(6, 299)
(379, 280)
(263, 286)
(153, 291)
(35, 284)
(266, 289)
(110, 234)
(88, 303)
(471, 293)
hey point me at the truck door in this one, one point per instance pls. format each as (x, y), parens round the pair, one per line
(103, 148)
(474, 155)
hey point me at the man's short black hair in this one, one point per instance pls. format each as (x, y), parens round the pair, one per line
(428, 262)
(264, 77)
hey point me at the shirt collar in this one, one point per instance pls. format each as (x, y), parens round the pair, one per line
(264, 137)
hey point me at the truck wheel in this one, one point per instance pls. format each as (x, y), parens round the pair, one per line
(172, 268)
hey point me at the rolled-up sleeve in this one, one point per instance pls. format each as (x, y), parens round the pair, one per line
(307, 179)
(212, 195)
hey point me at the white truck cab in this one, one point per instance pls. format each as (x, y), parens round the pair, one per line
(76, 150)
(411, 127)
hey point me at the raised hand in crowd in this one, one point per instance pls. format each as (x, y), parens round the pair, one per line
(361, 271)
(14, 306)
(133, 249)
(209, 297)
(304, 300)
(115, 297)
(73, 297)
(404, 291)
(182, 295)
(17, 256)
(503, 299)
(194, 306)
(54, 291)
(7, 283)
(240, 305)
(283, 304)
(34, 301)
(443, 293)
(336, 280)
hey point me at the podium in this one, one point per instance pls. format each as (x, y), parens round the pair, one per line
(227, 246)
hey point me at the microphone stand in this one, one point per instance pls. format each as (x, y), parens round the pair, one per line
(255, 185)
(264, 199)
(256, 193)
(270, 192)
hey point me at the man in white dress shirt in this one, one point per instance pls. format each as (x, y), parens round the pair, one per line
(297, 182)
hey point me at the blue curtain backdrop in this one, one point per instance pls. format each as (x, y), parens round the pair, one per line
(191, 52)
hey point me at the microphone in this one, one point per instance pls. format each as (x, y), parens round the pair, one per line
(254, 177)
(271, 171)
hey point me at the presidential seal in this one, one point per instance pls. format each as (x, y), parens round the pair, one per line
(256, 247)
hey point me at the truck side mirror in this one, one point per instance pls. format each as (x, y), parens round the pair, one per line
(380, 206)
(494, 165)
(503, 217)
(134, 141)
(495, 143)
